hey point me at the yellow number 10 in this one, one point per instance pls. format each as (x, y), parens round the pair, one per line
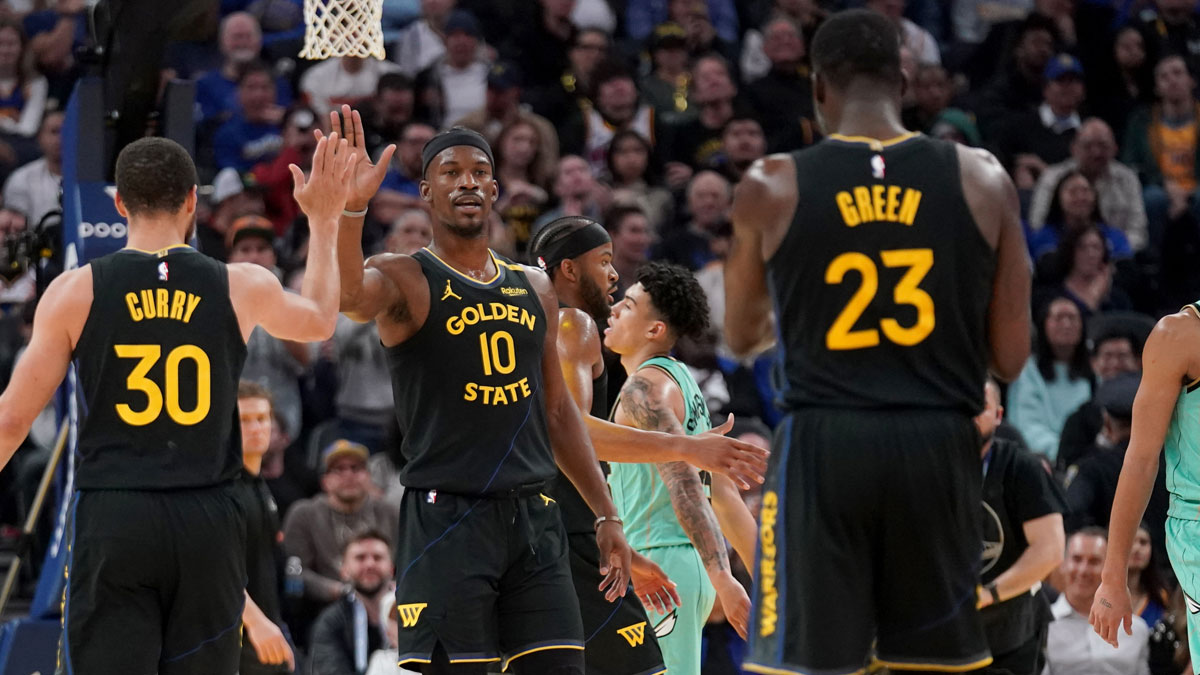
(491, 353)
(919, 261)
(148, 355)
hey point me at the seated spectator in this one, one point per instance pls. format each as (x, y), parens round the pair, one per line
(1160, 144)
(383, 660)
(1170, 27)
(1055, 381)
(1085, 266)
(616, 107)
(632, 237)
(642, 17)
(1116, 345)
(421, 43)
(932, 91)
(274, 176)
(541, 47)
(1146, 588)
(410, 232)
(562, 98)
(388, 112)
(401, 185)
(918, 40)
(808, 14)
(234, 195)
(34, 188)
(1018, 87)
(318, 529)
(700, 27)
(1126, 84)
(665, 87)
(1116, 187)
(742, 142)
(693, 142)
(519, 162)
(55, 34)
(503, 107)
(634, 179)
(22, 90)
(254, 133)
(1072, 647)
(240, 41)
(455, 84)
(956, 125)
(341, 643)
(363, 400)
(709, 197)
(347, 80)
(576, 189)
(1092, 483)
(782, 98)
(1073, 208)
(1046, 133)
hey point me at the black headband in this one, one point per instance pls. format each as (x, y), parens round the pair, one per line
(574, 244)
(451, 138)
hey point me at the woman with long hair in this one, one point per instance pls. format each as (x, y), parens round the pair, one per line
(523, 193)
(1074, 206)
(634, 178)
(1084, 272)
(1146, 588)
(1056, 380)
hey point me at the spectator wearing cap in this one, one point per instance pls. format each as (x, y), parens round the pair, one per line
(1116, 342)
(1118, 191)
(317, 529)
(275, 364)
(234, 195)
(274, 176)
(1033, 139)
(1160, 144)
(1092, 482)
(953, 124)
(502, 107)
(422, 42)
(388, 111)
(33, 189)
(616, 107)
(254, 134)
(343, 81)
(666, 86)
(240, 42)
(456, 83)
(783, 98)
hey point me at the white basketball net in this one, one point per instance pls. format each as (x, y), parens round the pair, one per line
(343, 28)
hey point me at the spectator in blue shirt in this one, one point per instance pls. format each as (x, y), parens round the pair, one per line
(240, 40)
(254, 134)
(642, 17)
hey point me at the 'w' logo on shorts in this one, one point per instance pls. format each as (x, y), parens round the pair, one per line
(409, 614)
(635, 634)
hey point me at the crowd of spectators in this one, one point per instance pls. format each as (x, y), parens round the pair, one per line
(644, 114)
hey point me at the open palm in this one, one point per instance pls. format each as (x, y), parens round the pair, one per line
(365, 176)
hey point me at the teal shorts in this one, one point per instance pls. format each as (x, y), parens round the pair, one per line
(679, 632)
(1182, 539)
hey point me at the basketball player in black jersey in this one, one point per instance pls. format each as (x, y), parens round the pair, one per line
(576, 253)
(898, 275)
(482, 573)
(157, 566)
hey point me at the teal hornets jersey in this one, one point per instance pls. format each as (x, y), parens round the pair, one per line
(638, 490)
(1182, 451)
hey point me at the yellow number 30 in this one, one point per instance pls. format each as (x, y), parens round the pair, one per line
(919, 261)
(137, 381)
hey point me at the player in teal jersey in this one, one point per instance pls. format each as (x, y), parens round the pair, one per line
(668, 517)
(1166, 414)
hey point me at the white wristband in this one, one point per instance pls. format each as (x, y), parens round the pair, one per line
(354, 214)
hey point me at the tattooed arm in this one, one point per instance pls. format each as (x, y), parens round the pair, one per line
(651, 400)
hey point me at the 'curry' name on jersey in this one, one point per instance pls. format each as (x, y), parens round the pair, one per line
(878, 203)
(160, 303)
(497, 349)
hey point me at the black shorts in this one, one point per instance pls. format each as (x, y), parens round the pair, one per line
(870, 536)
(488, 578)
(619, 639)
(155, 583)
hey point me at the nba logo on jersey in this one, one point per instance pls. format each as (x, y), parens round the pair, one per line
(162, 271)
(541, 262)
(877, 167)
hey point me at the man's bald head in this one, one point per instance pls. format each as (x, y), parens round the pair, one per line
(240, 37)
(1094, 147)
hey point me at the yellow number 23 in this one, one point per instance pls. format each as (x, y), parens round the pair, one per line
(148, 355)
(843, 336)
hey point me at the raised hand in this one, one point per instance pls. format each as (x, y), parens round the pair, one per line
(365, 177)
(323, 195)
(743, 462)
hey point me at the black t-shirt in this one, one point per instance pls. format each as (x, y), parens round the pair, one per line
(1016, 490)
(264, 555)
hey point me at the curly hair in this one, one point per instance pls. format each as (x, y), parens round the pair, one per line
(677, 296)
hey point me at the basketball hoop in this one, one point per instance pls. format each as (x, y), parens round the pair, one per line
(343, 28)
